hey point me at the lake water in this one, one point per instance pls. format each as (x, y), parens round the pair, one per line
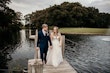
(87, 54)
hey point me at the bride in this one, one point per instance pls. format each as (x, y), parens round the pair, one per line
(54, 55)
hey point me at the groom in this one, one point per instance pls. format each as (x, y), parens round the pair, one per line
(42, 42)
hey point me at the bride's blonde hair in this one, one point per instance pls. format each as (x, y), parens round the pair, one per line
(55, 27)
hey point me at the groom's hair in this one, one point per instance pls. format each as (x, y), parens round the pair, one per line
(44, 25)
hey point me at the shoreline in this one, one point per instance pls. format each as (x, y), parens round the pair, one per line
(93, 34)
(86, 31)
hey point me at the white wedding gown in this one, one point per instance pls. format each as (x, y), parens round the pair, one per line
(54, 55)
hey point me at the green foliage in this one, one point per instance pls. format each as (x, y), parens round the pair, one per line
(70, 15)
(8, 17)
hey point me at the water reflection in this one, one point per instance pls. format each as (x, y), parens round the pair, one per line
(107, 38)
(89, 54)
(22, 53)
(6, 42)
(19, 50)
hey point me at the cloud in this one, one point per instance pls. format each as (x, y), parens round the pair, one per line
(102, 5)
(28, 6)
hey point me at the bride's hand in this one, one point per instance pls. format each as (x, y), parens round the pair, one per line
(50, 47)
(60, 45)
(37, 48)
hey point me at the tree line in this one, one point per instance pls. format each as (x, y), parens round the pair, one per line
(9, 19)
(69, 15)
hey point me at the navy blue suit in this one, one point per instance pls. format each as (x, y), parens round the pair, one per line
(42, 43)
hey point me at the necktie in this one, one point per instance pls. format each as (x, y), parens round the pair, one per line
(46, 34)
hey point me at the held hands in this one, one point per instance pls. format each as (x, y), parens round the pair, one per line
(37, 48)
(60, 45)
(50, 47)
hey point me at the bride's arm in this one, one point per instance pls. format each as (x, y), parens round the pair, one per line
(51, 36)
(50, 39)
(60, 39)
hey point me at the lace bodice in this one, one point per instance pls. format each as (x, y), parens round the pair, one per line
(56, 37)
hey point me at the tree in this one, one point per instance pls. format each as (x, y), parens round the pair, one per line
(70, 15)
(9, 18)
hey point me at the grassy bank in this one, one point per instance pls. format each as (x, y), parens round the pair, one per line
(84, 30)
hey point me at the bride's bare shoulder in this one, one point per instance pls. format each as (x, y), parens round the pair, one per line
(51, 33)
(59, 33)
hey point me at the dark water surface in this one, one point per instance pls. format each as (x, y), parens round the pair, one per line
(16, 51)
(87, 54)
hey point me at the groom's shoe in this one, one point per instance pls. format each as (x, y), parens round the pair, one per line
(45, 62)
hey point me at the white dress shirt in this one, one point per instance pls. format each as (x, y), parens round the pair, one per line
(44, 32)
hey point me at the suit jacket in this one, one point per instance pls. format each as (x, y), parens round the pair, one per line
(42, 42)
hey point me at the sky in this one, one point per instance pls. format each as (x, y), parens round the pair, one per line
(29, 6)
